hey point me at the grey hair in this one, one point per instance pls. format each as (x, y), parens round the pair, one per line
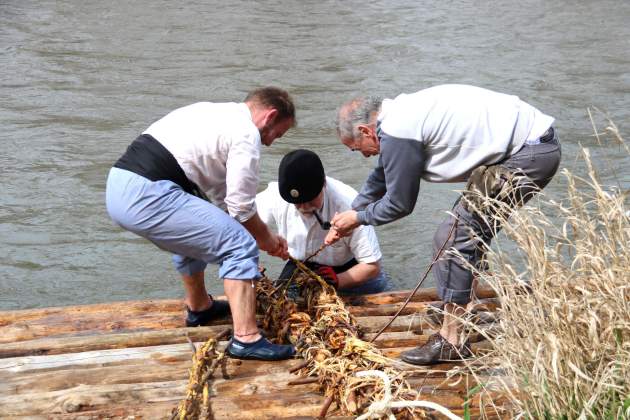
(355, 112)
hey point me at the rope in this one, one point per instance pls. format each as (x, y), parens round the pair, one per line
(321, 248)
(384, 407)
(424, 277)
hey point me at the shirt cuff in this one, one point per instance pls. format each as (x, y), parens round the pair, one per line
(361, 217)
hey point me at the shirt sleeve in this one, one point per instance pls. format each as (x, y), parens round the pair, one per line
(364, 245)
(373, 189)
(241, 177)
(264, 205)
(402, 161)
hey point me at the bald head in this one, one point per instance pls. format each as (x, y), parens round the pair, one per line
(360, 110)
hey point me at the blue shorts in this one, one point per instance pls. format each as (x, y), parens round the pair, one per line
(196, 231)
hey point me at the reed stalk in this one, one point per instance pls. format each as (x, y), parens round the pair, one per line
(564, 336)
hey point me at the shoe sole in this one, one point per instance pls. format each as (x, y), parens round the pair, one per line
(256, 358)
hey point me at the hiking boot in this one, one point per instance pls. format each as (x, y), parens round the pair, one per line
(436, 350)
(262, 349)
(218, 309)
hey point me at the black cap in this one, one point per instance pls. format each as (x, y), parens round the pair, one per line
(300, 176)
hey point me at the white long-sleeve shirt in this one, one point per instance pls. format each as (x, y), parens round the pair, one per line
(218, 147)
(304, 234)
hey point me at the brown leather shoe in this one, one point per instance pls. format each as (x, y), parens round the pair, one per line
(436, 350)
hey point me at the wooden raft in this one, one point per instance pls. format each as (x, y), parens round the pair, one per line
(131, 360)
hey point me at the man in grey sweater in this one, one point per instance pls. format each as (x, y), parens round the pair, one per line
(445, 134)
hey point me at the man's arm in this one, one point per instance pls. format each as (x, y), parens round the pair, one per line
(241, 176)
(358, 274)
(274, 245)
(265, 201)
(373, 189)
(366, 250)
(403, 164)
(241, 181)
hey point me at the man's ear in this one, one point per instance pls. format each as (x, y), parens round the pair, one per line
(364, 129)
(269, 116)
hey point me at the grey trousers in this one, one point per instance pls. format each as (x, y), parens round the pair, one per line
(539, 164)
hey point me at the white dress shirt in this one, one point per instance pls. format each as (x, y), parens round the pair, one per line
(304, 234)
(218, 147)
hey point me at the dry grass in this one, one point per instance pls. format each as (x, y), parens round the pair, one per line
(564, 336)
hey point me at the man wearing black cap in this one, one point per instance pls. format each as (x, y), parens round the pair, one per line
(299, 204)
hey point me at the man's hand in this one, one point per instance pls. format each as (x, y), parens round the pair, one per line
(342, 225)
(332, 236)
(328, 274)
(276, 246)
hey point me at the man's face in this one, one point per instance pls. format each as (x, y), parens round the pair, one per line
(315, 204)
(274, 130)
(365, 142)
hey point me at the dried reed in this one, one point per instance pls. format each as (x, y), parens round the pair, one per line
(328, 338)
(564, 336)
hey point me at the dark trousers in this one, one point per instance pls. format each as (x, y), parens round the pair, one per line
(539, 164)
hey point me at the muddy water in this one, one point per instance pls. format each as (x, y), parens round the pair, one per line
(79, 80)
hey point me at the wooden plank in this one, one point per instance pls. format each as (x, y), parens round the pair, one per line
(132, 359)
(101, 341)
(404, 328)
(266, 395)
(489, 304)
(121, 317)
(75, 344)
(137, 307)
(428, 294)
(69, 324)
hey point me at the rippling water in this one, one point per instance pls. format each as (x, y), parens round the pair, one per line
(79, 81)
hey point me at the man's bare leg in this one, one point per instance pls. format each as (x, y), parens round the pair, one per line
(451, 325)
(196, 295)
(242, 298)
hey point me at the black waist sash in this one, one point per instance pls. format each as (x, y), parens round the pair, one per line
(148, 158)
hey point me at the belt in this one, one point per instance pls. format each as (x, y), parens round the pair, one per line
(547, 136)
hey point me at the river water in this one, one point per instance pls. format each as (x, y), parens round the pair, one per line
(80, 80)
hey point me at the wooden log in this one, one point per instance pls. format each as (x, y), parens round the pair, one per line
(142, 356)
(156, 410)
(416, 322)
(142, 307)
(137, 307)
(68, 343)
(428, 294)
(121, 366)
(66, 326)
(407, 330)
(75, 344)
(266, 395)
(490, 304)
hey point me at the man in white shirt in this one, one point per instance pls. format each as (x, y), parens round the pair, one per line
(188, 184)
(446, 133)
(299, 203)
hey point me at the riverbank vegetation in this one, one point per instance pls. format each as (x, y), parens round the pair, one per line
(563, 337)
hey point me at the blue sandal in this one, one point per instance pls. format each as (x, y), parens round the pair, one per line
(218, 309)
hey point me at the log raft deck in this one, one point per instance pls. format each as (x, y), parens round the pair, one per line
(131, 360)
